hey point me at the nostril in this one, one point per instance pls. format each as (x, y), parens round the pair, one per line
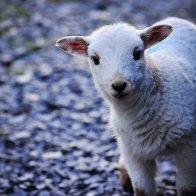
(119, 86)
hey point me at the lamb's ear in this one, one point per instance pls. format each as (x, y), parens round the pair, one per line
(75, 45)
(155, 34)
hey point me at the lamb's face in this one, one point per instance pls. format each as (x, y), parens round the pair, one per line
(116, 60)
(116, 55)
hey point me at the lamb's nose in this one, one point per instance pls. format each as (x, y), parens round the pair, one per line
(119, 86)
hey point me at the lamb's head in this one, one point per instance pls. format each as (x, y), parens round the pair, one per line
(116, 55)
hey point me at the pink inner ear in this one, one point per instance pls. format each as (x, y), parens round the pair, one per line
(156, 34)
(162, 32)
(76, 46)
(155, 37)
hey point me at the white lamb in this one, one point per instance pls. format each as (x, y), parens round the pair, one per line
(151, 94)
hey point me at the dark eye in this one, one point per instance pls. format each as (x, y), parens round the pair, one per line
(95, 59)
(137, 53)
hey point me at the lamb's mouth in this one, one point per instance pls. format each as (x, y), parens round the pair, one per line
(120, 95)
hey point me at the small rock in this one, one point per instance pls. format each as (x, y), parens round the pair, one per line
(41, 186)
(25, 177)
(22, 135)
(25, 78)
(52, 155)
(32, 97)
(18, 191)
(44, 193)
(6, 59)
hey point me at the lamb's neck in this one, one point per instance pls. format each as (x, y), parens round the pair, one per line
(145, 100)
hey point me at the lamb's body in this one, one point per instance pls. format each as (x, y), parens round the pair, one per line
(171, 114)
(159, 115)
(164, 123)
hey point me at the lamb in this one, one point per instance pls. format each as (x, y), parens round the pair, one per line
(148, 78)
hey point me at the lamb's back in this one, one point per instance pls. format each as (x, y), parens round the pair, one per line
(181, 40)
(175, 118)
(175, 60)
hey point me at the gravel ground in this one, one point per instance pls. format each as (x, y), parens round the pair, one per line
(54, 138)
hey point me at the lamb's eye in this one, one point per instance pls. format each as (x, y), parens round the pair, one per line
(95, 59)
(137, 53)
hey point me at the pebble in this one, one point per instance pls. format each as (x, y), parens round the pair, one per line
(24, 78)
(18, 191)
(32, 97)
(52, 155)
(6, 59)
(22, 135)
(26, 177)
(44, 193)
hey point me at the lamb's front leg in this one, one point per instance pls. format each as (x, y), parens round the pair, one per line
(124, 177)
(142, 174)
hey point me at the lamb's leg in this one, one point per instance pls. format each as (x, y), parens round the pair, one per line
(124, 177)
(142, 174)
(186, 172)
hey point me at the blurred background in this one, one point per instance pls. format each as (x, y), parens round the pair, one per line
(54, 138)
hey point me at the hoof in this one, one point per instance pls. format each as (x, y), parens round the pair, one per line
(139, 192)
(187, 192)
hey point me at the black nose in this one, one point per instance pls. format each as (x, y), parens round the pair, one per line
(119, 86)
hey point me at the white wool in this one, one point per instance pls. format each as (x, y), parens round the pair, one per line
(170, 116)
(159, 115)
(173, 129)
